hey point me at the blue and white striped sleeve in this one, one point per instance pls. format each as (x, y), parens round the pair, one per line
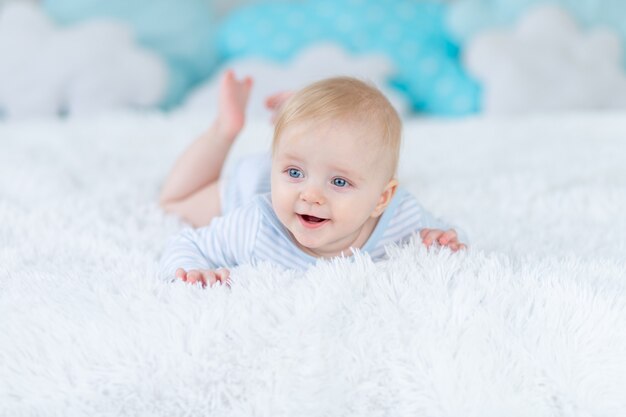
(429, 221)
(408, 218)
(411, 217)
(226, 242)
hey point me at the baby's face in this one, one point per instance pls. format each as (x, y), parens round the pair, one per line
(328, 182)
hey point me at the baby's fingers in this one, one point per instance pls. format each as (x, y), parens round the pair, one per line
(196, 276)
(223, 275)
(430, 236)
(181, 274)
(457, 246)
(209, 278)
(448, 237)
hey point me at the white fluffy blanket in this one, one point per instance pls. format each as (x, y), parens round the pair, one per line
(530, 322)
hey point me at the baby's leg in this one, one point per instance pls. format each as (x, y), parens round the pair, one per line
(200, 207)
(191, 189)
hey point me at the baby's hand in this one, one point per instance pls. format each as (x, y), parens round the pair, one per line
(448, 238)
(204, 276)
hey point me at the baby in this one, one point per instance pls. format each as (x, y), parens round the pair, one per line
(328, 188)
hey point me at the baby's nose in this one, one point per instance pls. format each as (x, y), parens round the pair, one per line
(313, 195)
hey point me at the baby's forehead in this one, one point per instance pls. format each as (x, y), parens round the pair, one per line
(352, 144)
(361, 145)
(364, 131)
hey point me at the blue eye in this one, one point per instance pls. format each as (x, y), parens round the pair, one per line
(295, 173)
(340, 182)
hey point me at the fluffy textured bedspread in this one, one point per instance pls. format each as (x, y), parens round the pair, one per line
(531, 321)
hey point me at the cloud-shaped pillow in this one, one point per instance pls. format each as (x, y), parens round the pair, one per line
(83, 69)
(467, 18)
(310, 65)
(547, 63)
(181, 32)
(410, 33)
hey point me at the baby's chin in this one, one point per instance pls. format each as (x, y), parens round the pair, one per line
(320, 250)
(306, 244)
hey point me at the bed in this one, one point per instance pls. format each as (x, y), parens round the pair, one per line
(530, 321)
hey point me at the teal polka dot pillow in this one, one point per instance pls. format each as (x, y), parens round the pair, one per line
(410, 32)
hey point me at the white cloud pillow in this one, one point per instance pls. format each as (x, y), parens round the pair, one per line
(547, 63)
(82, 69)
(311, 64)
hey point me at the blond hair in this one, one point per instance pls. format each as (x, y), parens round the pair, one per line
(344, 98)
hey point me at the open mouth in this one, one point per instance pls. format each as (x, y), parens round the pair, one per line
(311, 221)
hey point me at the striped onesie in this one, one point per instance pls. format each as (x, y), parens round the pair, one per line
(250, 232)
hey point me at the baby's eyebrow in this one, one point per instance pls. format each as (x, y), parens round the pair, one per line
(350, 174)
(291, 157)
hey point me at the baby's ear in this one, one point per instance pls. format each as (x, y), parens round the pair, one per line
(385, 197)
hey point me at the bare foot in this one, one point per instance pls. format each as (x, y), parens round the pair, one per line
(275, 102)
(233, 98)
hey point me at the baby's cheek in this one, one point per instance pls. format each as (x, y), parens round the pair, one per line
(281, 204)
(341, 214)
(351, 212)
